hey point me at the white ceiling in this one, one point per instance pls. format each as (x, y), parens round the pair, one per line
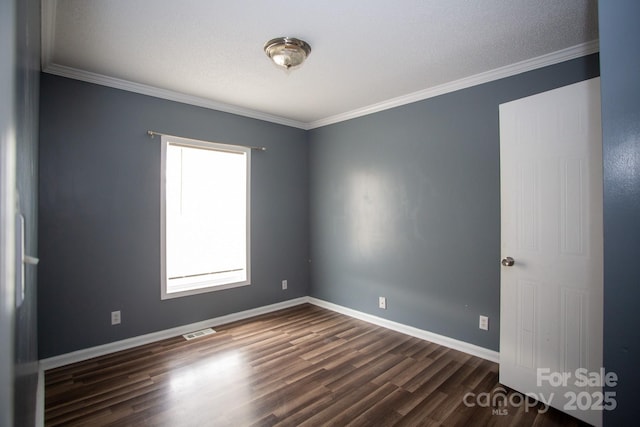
(367, 55)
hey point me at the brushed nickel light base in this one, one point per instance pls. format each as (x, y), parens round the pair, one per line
(287, 52)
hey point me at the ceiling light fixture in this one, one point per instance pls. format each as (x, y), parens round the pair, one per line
(287, 52)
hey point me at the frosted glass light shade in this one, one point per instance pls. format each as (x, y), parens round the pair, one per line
(287, 52)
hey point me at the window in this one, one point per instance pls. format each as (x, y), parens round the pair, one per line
(205, 216)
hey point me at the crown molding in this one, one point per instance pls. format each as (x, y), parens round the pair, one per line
(86, 76)
(486, 77)
(48, 66)
(48, 16)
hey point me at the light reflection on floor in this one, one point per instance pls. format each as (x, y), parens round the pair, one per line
(220, 383)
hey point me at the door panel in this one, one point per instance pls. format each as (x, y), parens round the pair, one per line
(551, 207)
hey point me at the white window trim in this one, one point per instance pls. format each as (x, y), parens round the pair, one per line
(207, 286)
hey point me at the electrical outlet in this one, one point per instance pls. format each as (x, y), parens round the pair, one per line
(382, 303)
(484, 323)
(115, 317)
(284, 285)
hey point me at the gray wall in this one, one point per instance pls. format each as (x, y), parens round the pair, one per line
(620, 62)
(405, 204)
(100, 214)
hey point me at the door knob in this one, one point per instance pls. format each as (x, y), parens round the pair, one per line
(508, 261)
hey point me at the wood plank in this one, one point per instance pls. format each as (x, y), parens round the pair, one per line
(301, 366)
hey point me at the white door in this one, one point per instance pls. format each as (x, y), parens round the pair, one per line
(551, 298)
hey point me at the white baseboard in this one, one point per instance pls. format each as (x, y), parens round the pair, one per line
(101, 350)
(465, 347)
(85, 354)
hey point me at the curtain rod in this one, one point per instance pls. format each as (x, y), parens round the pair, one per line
(152, 134)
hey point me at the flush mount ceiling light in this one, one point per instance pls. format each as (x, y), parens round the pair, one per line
(287, 52)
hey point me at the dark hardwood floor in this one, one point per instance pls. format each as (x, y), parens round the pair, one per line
(303, 366)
